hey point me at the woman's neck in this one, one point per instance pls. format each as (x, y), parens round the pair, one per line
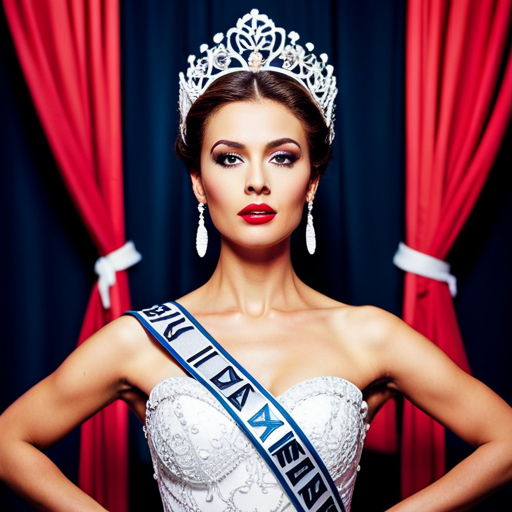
(254, 282)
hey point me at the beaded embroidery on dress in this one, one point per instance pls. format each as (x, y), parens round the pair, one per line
(204, 463)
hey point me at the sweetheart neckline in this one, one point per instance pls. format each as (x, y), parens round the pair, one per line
(288, 390)
(194, 320)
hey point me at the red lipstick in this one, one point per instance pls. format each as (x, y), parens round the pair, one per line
(257, 213)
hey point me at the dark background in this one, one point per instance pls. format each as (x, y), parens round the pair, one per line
(47, 259)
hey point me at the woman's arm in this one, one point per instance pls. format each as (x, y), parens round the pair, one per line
(89, 379)
(431, 381)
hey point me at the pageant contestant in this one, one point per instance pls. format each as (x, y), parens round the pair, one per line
(273, 418)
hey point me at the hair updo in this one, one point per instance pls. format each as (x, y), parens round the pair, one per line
(248, 86)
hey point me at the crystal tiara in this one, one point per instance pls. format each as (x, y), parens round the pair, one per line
(267, 50)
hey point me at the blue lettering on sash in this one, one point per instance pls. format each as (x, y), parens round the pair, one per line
(156, 310)
(313, 490)
(328, 506)
(239, 397)
(263, 418)
(289, 453)
(298, 472)
(171, 335)
(199, 354)
(277, 444)
(209, 356)
(226, 378)
(162, 318)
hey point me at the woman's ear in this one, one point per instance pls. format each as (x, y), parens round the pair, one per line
(198, 187)
(311, 191)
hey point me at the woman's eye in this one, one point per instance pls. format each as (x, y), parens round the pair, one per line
(283, 159)
(228, 160)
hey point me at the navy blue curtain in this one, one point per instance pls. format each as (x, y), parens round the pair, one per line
(47, 260)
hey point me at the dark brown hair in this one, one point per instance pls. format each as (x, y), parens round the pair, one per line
(248, 86)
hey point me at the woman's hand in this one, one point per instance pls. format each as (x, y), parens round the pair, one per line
(431, 381)
(93, 376)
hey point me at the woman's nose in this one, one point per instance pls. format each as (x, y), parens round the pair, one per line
(256, 181)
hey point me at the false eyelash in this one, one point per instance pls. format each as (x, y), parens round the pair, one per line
(220, 159)
(290, 156)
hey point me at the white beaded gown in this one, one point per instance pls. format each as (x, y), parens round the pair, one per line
(203, 462)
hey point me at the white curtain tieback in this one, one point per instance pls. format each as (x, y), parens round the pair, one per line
(424, 265)
(107, 266)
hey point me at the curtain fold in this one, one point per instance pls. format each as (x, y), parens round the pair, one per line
(458, 106)
(70, 55)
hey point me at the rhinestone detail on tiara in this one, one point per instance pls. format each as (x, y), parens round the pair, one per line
(257, 34)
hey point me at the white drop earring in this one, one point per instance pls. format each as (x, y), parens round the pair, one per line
(310, 230)
(202, 234)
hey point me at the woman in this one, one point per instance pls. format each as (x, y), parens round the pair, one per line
(256, 142)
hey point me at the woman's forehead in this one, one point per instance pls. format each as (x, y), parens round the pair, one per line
(253, 122)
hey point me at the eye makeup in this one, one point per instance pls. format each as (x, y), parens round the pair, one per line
(280, 158)
(284, 158)
(227, 159)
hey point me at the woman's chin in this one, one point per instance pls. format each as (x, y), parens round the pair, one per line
(261, 245)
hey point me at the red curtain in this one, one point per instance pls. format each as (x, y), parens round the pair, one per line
(70, 54)
(458, 106)
(382, 436)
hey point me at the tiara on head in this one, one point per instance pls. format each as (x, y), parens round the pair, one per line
(267, 50)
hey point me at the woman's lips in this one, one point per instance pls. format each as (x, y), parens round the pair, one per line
(257, 213)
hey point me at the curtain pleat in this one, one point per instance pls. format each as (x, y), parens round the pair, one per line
(458, 106)
(70, 55)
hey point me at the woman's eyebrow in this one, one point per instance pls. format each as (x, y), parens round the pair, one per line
(229, 143)
(270, 145)
(275, 143)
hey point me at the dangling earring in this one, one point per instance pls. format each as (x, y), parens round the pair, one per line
(202, 234)
(310, 231)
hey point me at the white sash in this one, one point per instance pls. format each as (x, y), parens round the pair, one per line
(279, 440)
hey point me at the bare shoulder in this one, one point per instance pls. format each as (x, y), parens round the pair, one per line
(107, 363)
(111, 349)
(125, 334)
(382, 344)
(91, 377)
(410, 363)
(122, 338)
(368, 325)
(394, 343)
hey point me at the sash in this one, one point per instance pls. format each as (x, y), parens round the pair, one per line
(278, 439)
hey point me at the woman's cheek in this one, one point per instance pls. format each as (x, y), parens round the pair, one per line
(221, 189)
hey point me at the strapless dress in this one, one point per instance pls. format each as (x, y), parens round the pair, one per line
(203, 462)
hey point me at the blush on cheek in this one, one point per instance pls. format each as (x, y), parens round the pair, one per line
(219, 193)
